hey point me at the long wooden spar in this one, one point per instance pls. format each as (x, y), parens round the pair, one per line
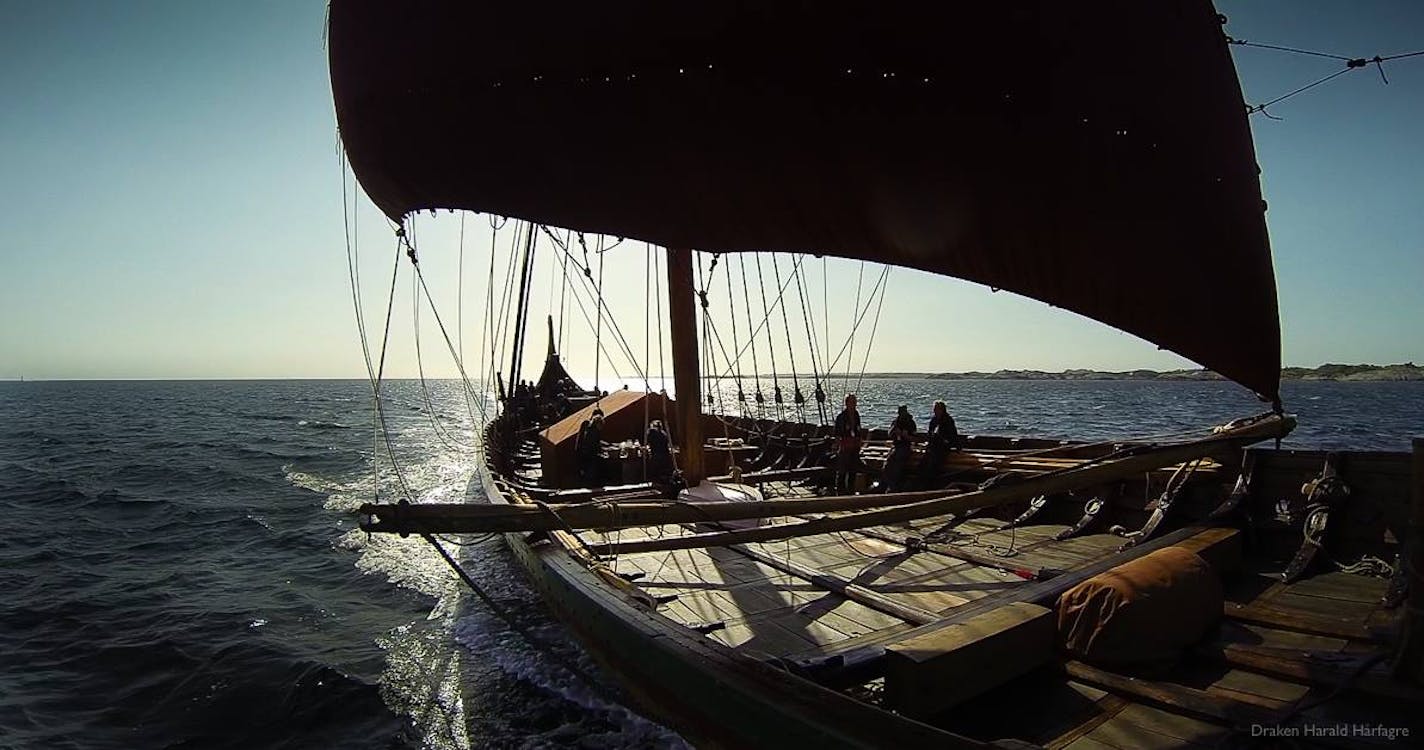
(871, 510)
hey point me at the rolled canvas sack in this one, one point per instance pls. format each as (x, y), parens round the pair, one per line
(1144, 611)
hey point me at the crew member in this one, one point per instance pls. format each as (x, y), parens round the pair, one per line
(660, 465)
(589, 450)
(902, 433)
(848, 437)
(943, 438)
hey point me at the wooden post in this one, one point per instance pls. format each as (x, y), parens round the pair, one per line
(682, 318)
(1409, 660)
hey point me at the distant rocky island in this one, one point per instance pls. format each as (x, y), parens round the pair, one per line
(1406, 371)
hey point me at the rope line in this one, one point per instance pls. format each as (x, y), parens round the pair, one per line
(1259, 45)
(855, 324)
(1261, 108)
(590, 289)
(873, 328)
(440, 433)
(756, 367)
(798, 397)
(770, 345)
(820, 392)
(1351, 63)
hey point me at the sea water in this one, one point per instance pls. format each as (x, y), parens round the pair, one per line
(180, 564)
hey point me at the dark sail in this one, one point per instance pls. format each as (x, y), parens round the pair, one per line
(1093, 155)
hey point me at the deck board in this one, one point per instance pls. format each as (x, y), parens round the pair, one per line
(1127, 735)
(1342, 587)
(1275, 690)
(1268, 637)
(1177, 726)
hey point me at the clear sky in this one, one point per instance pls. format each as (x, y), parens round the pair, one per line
(170, 194)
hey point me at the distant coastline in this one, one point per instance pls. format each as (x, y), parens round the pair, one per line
(1333, 372)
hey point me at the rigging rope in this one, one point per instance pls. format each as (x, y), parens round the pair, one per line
(353, 263)
(486, 365)
(440, 433)
(449, 344)
(850, 356)
(798, 396)
(598, 332)
(563, 291)
(756, 368)
(873, 328)
(826, 318)
(766, 318)
(737, 364)
(620, 339)
(820, 392)
(1351, 64)
(770, 345)
(501, 330)
(855, 324)
(376, 393)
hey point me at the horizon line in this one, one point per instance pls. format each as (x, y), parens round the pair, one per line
(888, 373)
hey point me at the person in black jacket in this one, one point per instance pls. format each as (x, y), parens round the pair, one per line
(589, 450)
(902, 434)
(660, 464)
(943, 437)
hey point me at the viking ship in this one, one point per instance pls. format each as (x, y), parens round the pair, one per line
(1095, 156)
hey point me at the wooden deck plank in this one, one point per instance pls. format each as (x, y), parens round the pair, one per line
(1322, 607)
(761, 639)
(1088, 743)
(1331, 625)
(1251, 698)
(1342, 587)
(933, 601)
(1181, 727)
(1277, 690)
(850, 617)
(1130, 736)
(1104, 707)
(1269, 637)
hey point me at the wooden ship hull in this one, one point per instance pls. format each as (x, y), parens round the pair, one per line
(948, 630)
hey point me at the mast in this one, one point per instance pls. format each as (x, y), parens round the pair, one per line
(682, 318)
(521, 312)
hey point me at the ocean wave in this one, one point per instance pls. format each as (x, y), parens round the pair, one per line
(601, 721)
(317, 424)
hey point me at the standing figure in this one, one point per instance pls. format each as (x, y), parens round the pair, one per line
(943, 438)
(589, 450)
(902, 434)
(848, 437)
(660, 465)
